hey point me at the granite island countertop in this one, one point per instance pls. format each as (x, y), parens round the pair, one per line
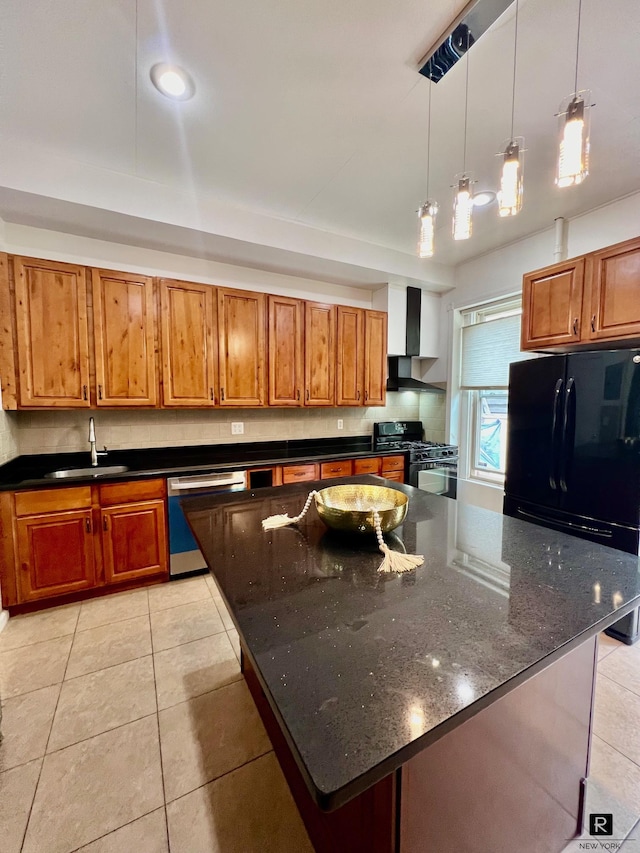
(28, 471)
(365, 670)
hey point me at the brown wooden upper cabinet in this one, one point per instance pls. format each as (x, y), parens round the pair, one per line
(286, 351)
(375, 358)
(362, 357)
(552, 302)
(350, 362)
(614, 279)
(124, 330)
(241, 347)
(189, 354)
(320, 354)
(51, 332)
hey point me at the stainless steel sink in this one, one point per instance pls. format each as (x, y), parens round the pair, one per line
(99, 471)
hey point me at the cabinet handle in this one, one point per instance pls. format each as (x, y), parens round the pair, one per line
(222, 393)
(105, 523)
(358, 394)
(593, 323)
(212, 397)
(84, 392)
(87, 525)
(25, 567)
(99, 392)
(298, 394)
(307, 394)
(366, 396)
(299, 473)
(575, 326)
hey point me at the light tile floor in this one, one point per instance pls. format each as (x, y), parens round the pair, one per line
(127, 726)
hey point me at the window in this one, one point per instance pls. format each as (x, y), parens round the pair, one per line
(490, 342)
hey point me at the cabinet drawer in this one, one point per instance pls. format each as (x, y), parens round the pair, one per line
(367, 466)
(52, 500)
(132, 490)
(336, 469)
(299, 473)
(392, 463)
(398, 476)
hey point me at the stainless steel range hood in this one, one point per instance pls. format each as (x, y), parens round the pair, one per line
(400, 378)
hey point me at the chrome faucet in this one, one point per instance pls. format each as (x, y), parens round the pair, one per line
(92, 442)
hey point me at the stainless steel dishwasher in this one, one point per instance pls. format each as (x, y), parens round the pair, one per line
(185, 558)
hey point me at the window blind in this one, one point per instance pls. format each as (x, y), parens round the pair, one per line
(487, 351)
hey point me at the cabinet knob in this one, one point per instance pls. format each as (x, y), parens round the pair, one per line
(593, 323)
(25, 567)
(575, 326)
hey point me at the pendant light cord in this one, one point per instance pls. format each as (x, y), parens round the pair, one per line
(515, 53)
(429, 138)
(575, 86)
(466, 109)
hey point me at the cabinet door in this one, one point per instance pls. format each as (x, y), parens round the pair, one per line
(188, 347)
(51, 327)
(614, 274)
(134, 541)
(286, 342)
(124, 328)
(375, 358)
(350, 361)
(241, 347)
(55, 554)
(319, 354)
(552, 305)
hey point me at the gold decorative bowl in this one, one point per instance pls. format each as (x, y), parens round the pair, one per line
(350, 508)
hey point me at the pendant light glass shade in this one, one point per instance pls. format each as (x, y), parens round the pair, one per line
(427, 217)
(511, 180)
(573, 155)
(462, 208)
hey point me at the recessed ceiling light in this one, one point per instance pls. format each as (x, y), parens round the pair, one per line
(172, 81)
(483, 198)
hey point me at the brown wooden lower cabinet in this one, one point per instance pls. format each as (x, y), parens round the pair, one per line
(299, 473)
(372, 465)
(78, 539)
(134, 541)
(341, 468)
(55, 554)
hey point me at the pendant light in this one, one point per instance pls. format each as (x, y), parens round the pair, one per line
(463, 198)
(511, 182)
(573, 116)
(427, 211)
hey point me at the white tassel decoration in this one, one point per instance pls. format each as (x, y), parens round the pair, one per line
(275, 521)
(394, 561)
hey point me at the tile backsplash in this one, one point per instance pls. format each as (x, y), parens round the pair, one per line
(48, 432)
(8, 435)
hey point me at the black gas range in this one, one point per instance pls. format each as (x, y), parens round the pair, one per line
(432, 466)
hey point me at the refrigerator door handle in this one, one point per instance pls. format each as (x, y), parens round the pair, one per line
(564, 450)
(565, 525)
(557, 391)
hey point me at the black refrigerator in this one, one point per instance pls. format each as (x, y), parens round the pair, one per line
(573, 452)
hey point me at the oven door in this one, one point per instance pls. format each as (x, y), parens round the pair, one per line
(439, 478)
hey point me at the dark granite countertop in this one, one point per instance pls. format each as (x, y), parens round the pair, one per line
(365, 670)
(28, 471)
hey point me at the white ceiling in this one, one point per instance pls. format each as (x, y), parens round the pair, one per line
(308, 131)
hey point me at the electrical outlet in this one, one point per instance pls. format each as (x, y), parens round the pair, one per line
(340, 423)
(237, 428)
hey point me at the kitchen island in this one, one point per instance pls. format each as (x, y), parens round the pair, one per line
(445, 709)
